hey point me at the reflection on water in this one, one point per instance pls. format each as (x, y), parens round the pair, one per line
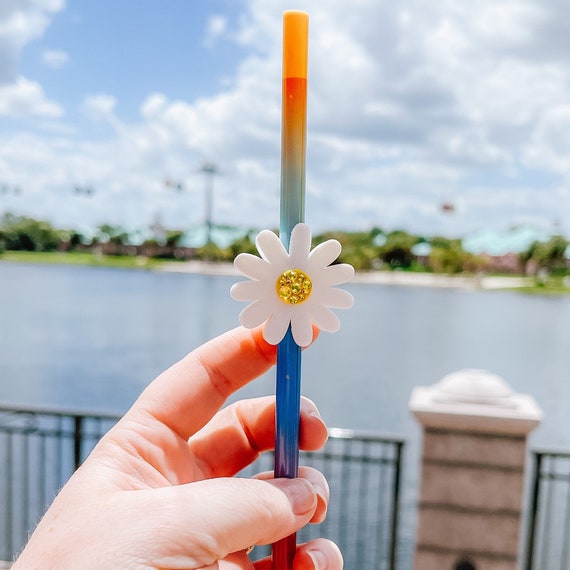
(92, 338)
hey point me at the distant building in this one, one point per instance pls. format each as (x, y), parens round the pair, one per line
(222, 236)
(503, 248)
(422, 251)
(499, 243)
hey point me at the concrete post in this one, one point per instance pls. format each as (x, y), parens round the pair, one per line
(475, 432)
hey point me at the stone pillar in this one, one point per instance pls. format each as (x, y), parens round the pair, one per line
(475, 432)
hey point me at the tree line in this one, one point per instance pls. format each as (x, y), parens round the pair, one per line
(366, 250)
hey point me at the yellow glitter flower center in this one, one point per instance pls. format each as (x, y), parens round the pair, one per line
(293, 286)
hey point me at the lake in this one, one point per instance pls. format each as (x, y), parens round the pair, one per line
(92, 338)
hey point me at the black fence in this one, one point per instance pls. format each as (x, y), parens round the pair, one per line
(364, 474)
(40, 449)
(548, 535)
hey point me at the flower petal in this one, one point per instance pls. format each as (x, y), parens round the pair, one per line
(266, 306)
(337, 274)
(255, 314)
(336, 298)
(248, 291)
(325, 253)
(276, 327)
(252, 266)
(270, 247)
(300, 244)
(325, 319)
(302, 328)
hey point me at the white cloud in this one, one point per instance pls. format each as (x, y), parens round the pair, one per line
(216, 27)
(100, 106)
(549, 146)
(26, 98)
(153, 105)
(22, 21)
(54, 58)
(407, 106)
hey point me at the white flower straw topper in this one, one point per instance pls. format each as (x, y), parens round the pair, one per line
(294, 288)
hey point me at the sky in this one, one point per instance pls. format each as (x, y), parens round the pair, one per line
(411, 105)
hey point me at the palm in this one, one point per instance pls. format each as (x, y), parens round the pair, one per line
(158, 456)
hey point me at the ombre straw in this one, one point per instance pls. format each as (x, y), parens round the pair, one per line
(293, 150)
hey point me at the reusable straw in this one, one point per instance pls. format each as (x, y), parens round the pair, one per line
(293, 150)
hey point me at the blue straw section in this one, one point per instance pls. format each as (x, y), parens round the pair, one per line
(287, 412)
(287, 416)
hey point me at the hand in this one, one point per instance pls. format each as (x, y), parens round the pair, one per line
(158, 491)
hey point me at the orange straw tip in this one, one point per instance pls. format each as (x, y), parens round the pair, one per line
(295, 43)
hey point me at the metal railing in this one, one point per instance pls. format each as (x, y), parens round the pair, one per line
(40, 449)
(364, 474)
(548, 533)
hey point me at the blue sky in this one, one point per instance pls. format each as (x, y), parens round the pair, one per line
(410, 105)
(133, 50)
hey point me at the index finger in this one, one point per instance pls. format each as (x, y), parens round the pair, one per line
(189, 393)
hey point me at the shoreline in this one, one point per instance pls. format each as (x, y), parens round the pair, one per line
(400, 278)
(463, 282)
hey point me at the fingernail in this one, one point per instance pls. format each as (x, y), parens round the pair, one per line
(308, 404)
(318, 559)
(311, 407)
(313, 412)
(301, 495)
(317, 415)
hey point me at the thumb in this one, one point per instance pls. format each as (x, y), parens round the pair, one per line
(202, 522)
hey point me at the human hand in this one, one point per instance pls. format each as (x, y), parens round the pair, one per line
(158, 491)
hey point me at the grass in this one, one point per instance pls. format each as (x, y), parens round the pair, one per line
(553, 286)
(545, 291)
(79, 258)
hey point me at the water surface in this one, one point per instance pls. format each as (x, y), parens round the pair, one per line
(92, 338)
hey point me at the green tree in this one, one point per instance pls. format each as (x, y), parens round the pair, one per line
(112, 234)
(550, 255)
(173, 237)
(397, 251)
(76, 239)
(244, 244)
(26, 234)
(358, 248)
(448, 256)
(447, 259)
(212, 252)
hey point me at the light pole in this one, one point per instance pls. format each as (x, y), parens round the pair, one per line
(210, 170)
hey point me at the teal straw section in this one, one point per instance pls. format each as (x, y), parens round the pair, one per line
(292, 206)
